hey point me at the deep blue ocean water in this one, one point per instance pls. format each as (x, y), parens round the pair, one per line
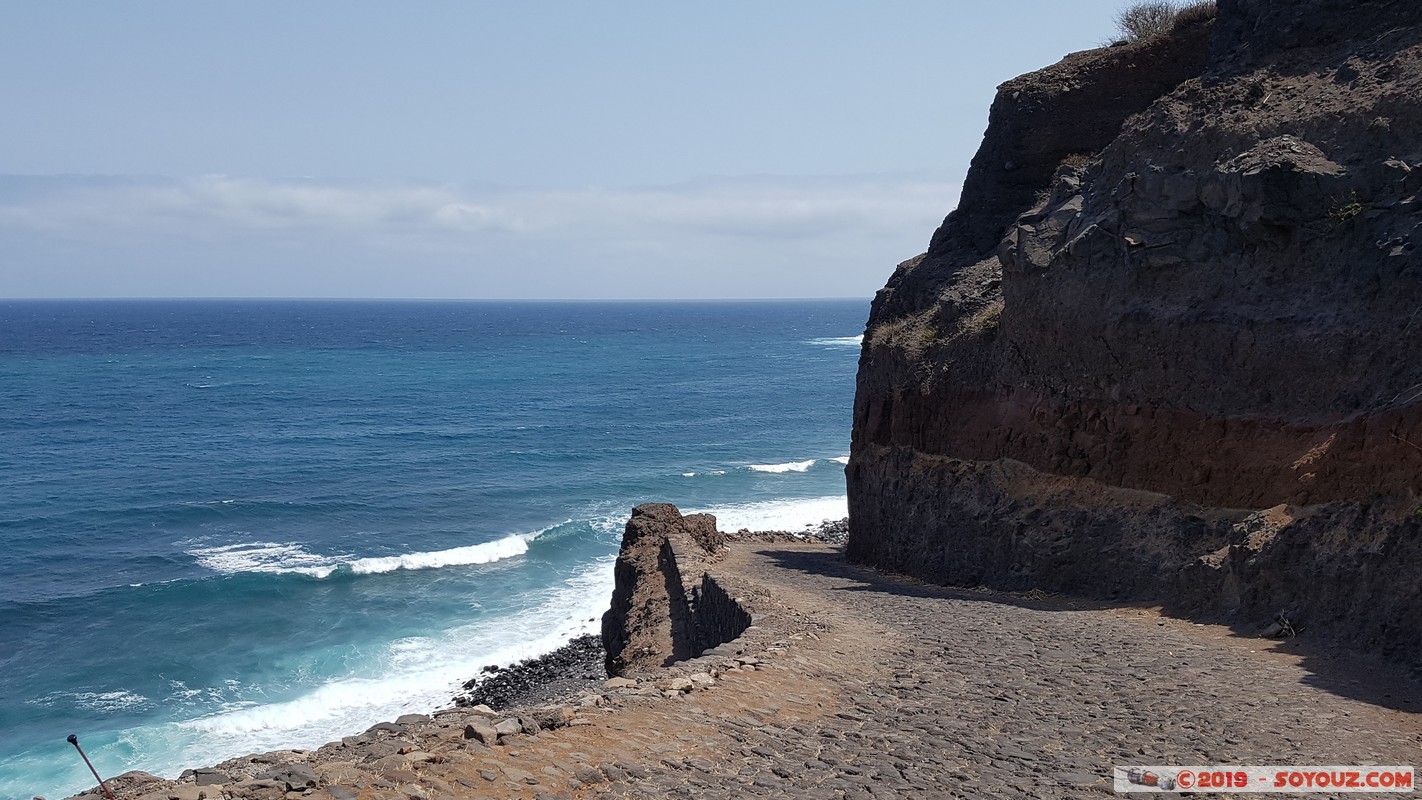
(236, 526)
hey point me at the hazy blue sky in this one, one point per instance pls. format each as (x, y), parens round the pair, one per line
(481, 149)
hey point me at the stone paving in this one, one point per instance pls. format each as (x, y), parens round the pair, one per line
(856, 685)
(910, 690)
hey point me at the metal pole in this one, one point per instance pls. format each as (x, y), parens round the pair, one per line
(74, 740)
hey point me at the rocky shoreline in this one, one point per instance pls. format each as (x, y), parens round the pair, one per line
(497, 708)
(853, 684)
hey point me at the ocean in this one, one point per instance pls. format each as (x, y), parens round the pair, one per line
(238, 526)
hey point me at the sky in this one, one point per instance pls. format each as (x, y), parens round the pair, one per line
(540, 149)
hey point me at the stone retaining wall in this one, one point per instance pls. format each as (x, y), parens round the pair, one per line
(666, 605)
(718, 616)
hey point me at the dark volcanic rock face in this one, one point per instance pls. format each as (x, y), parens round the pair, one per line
(1211, 317)
(1252, 33)
(1069, 110)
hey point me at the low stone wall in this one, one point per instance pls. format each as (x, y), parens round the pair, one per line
(666, 605)
(718, 617)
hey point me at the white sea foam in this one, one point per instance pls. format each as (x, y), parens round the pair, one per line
(274, 557)
(109, 701)
(271, 557)
(415, 674)
(789, 466)
(707, 472)
(94, 702)
(507, 547)
(779, 515)
(841, 459)
(839, 341)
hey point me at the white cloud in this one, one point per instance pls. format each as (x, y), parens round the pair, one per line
(223, 202)
(753, 207)
(443, 234)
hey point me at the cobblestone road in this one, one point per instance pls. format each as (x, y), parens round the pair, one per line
(910, 690)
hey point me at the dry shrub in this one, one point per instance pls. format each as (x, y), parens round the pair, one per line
(1194, 14)
(1144, 21)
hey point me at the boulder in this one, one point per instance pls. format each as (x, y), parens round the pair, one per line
(294, 776)
(680, 683)
(391, 763)
(257, 790)
(552, 717)
(210, 777)
(481, 731)
(340, 772)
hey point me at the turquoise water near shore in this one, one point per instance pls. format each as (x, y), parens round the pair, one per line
(234, 526)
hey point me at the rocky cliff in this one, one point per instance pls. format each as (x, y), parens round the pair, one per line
(1167, 346)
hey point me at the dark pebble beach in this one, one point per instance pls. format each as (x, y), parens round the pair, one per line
(580, 664)
(575, 666)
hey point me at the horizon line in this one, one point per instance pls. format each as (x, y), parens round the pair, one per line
(333, 299)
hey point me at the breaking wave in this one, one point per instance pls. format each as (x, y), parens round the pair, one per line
(792, 514)
(789, 466)
(416, 674)
(285, 558)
